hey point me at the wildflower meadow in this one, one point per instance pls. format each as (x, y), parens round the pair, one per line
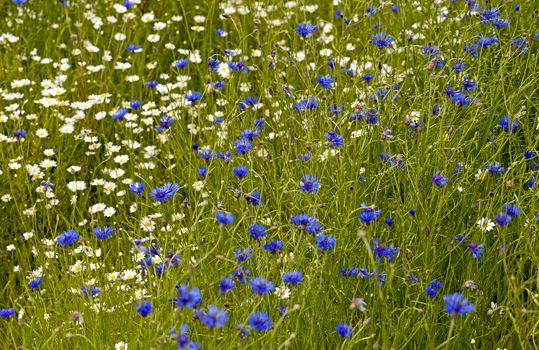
(237, 174)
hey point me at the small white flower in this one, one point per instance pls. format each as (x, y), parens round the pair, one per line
(147, 224)
(120, 346)
(198, 185)
(282, 292)
(485, 224)
(109, 212)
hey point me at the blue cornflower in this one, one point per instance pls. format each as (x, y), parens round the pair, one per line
(439, 180)
(511, 209)
(133, 48)
(218, 85)
(364, 273)
(250, 134)
(183, 341)
(432, 288)
(368, 214)
(164, 123)
(213, 63)
(502, 219)
(325, 81)
(119, 114)
(309, 183)
(344, 330)
(19, 133)
(259, 320)
(458, 66)
(389, 221)
(325, 242)
(499, 22)
(144, 308)
(151, 84)
(36, 282)
(201, 171)
(367, 77)
(351, 272)
(242, 254)
(520, 45)
(334, 139)
(507, 124)
(241, 274)
(224, 218)
(411, 278)
(528, 155)
(485, 41)
(103, 232)
(257, 231)
(254, 198)
(304, 29)
(161, 194)
(370, 10)
(293, 277)
(7, 313)
(282, 310)
(226, 284)
(468, 85)
(430, 50)
(180, 63)
(135, 104)
(259, 122)
(248, 101)
(494, 167)
(18, 2)
(456, 305)
(90, 290)
(193, 96)
(239, 66)
(381, 40)
(384, 252)
(136, 187)
(261, 286)
(394, 8)
(304, 105)
(273, 246)
(336, 109)
(242, 146)
(313, 226)
(240, 171)
(461, 238)
(187, 298)
(67, 238)
(476, 249)
(215, 317)
(486, 15)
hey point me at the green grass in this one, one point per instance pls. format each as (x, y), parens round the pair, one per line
(399, 314)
